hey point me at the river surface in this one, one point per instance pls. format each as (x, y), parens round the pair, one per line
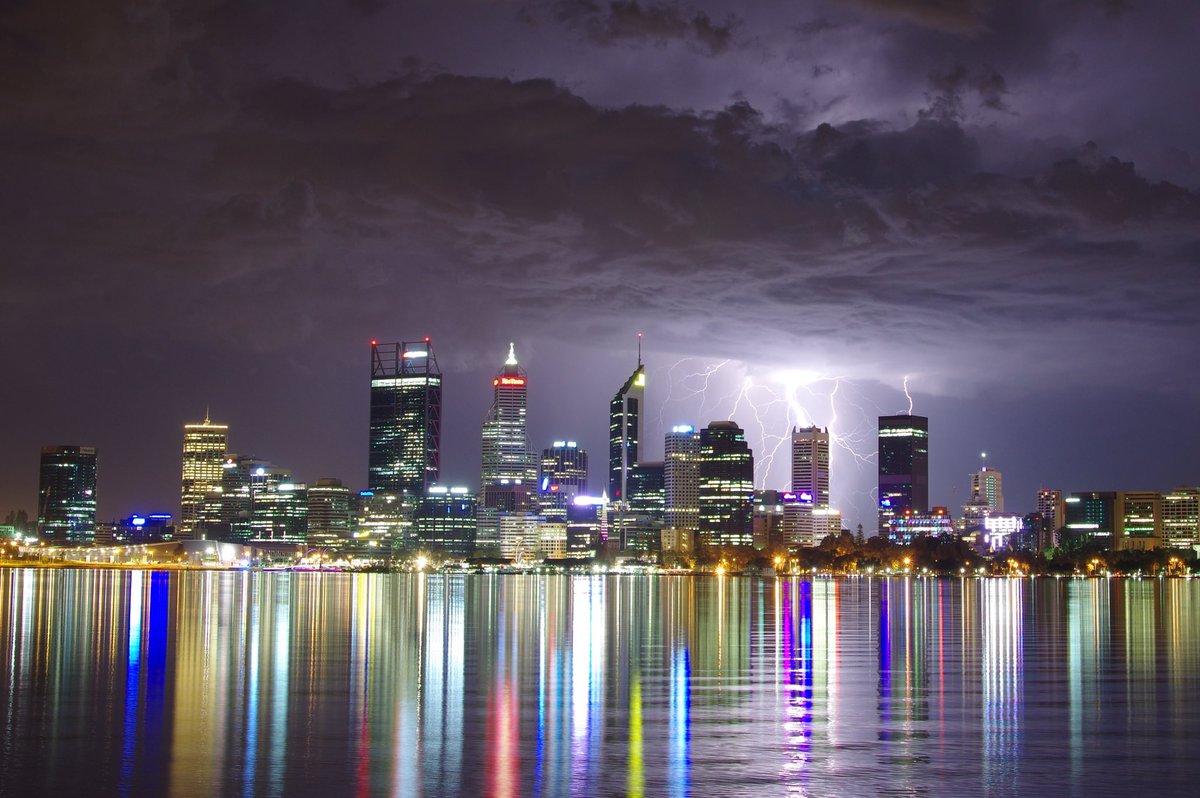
(237, 683)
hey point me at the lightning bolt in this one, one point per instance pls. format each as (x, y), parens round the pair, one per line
(769, 406)
(907, 395)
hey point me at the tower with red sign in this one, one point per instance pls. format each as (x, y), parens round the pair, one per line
(509, 472)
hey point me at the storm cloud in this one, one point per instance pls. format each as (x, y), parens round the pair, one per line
(222, 203)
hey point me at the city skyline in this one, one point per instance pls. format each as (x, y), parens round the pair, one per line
(855, 465)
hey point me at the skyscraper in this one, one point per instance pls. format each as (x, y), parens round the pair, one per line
(506, 455)
(987, 487)
(204, 448)
(406, 417)
(810, 487)
(647, 490)
(564, 475)
(903, 467)
(726, 486)
(1051, 507)
(625, 431)
(681, 478)
(67, 495)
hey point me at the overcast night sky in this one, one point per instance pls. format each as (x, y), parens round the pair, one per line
(220, 203)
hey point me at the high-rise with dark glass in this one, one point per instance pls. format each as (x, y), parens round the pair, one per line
(625, 432)
(564, 475)
(406, 417)
(903, 467)
(726, 486)
(67, 495)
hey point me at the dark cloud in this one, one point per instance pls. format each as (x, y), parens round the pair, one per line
(620, 21)
(225, 189)
(952, 16)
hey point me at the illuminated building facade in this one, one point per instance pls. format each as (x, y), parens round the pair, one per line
(625, 432)
(806, 515)
(328, 519)
(647, 490)
(726, 486)
(383, 522)
(1051, 507)
(278, 507)
(903, 467)
(204, 450)
(136, 530)
(519, 536)
(1139, 517)
(563, 476)
(987, 487)
(506, 456)
(406, 418)
(587, 526)
(67, 495)
(1091, 515)
(909, 525)
(446, 521)
(681, 478)
(226, 512)
(1181, 518)
(769, 520)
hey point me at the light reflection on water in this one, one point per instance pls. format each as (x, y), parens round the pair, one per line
(136, 683)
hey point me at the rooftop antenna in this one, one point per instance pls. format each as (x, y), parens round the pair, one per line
(207, 420)
(639, 350)
(983, 461)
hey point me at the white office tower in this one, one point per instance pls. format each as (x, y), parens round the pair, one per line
(807, 517)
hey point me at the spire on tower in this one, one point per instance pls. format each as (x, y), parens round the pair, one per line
(639, 350)
(512, 354)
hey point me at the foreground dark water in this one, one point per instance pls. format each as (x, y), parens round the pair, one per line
(137, 683)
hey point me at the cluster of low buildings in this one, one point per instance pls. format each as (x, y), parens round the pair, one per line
(542, 505)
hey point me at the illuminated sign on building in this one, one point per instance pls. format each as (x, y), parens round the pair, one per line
(509, 381)
(998, 528)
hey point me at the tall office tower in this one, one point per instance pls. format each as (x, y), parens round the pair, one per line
(328, 513)
(1181, 518)
(67, 495)
(446, 521)
(903, 467)
(1052, 509)
(987, 488)
(681, 478)
(204, 449)
(647, 490)
(726, 486)
(506, 456)
(406, 417)
(625, 431)
(810, 487)
(564, 475)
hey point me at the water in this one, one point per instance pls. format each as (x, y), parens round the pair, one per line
(153, 683)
